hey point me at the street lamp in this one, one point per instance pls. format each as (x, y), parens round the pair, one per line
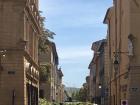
(116, 65)
(117, 69)
(100, 86)
(2, 54)
(100, 96)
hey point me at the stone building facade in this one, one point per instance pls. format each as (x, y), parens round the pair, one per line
(49, 59)
(60, 87)
(92, 79)
(97, 74)
(45, 73)
(123, 48)
(19, 33)
(51, 87)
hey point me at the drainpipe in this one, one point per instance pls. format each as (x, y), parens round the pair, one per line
(13, 96)
(110, 61)
(116, 40)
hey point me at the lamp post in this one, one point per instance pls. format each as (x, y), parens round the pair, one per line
(1, 68)
(2, 54)
(117, 71)
(100, 89)
(116, 67)
(100, 86)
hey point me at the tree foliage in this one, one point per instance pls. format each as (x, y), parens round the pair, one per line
(45, 73)
(83, 94)
(80, 95)
(44, 102)
(46, 34)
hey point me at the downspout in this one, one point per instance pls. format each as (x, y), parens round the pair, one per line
(13, 96)
(120, 33)
(116, 40)
(110, 68)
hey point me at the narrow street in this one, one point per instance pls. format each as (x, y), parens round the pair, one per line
(69, 52)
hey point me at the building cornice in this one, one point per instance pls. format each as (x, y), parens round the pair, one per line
(34, 18)
(108, 15)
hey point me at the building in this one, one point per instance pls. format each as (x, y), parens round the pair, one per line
(19, 33)
(87, 87)
(107, 67)
(60, 87)
(97, 75)
(92, 80)
(49, 60)
(123, 48)
(45, 72)
(84, 91)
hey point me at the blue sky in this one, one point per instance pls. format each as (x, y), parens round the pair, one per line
(77, 24)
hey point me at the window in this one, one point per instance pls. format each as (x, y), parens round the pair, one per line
(41, 93)
(130, 47)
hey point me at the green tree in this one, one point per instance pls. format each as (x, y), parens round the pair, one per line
(46, 34)
(45, 73)
(44, 102)
(80, 95)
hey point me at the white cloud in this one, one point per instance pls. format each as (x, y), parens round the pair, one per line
(67, 14)
(76, 23)
(77, 52)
